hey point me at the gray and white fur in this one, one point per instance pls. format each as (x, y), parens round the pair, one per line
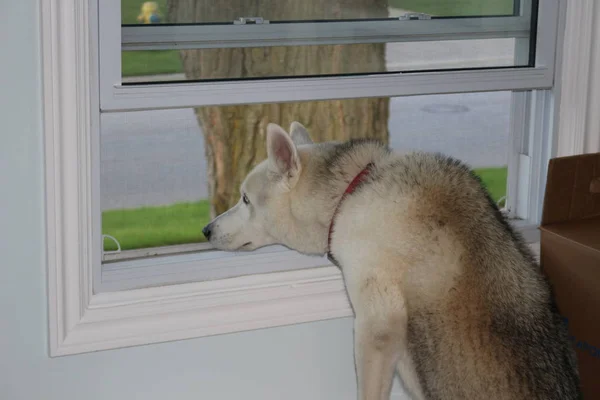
(444, 292)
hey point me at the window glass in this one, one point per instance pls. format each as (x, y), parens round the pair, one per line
(210, 11)
(164, 173)
(302, 61)
(201, 42)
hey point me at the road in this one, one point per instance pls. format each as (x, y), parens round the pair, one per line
(157, 157)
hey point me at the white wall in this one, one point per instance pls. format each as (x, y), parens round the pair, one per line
(310, 361)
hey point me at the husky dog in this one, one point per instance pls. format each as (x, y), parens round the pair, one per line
(443, 291)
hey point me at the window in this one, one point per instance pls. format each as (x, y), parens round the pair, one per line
(155, 174)
(286, 40)
(219, 56)
(166, 170)
(475, 79)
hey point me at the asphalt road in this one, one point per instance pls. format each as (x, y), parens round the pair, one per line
(157, 157)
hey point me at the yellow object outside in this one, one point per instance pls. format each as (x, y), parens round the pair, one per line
(149, 13)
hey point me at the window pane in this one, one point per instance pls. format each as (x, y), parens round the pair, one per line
(209, 11)
(297, 61)
(151, 159)
(163, 171)
(201, 42)
(308, 41)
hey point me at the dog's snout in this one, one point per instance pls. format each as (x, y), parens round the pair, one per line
(207, 230)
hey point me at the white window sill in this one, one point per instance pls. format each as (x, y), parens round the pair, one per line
(199, 267)
(183, 267)
(152, 315)
(159, 314)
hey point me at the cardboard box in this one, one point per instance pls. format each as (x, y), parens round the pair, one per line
(570, 256)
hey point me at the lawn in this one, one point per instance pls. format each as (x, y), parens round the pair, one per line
(183, 222)
(494, 180)
(143, 227)
(140, 63)
(446, 8)
(155, 62)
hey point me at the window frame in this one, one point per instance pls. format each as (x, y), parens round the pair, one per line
(123, 273)
(169, 37)
(115, 96)
(81, 320)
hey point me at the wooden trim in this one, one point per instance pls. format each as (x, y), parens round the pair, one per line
(66, 102)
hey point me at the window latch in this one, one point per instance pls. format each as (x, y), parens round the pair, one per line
(414, 16)
(250, 20)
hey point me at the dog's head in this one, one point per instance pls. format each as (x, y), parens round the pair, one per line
(273, 208)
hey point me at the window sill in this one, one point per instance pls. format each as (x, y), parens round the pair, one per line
(152, 315)
(171, 269)
(199, 267)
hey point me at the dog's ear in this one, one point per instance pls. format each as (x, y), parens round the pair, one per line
(282, 152)
(299, 134)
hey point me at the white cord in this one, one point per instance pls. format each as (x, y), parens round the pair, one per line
(114, 240)
(503, 210)
(500, 200)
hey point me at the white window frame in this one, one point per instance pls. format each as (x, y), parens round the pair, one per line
(114, 96)
(166, 37)
(189, 265)
(81, 320)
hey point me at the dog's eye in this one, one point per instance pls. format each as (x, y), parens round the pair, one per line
(245, 199)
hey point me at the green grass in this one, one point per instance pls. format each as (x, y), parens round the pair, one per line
(141, 63)
(143, 227)
(446, 8)
(182, 223)
(494, 180)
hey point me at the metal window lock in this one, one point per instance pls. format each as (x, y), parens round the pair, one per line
(414, 16)
(250, 20)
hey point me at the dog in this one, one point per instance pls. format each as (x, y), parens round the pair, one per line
(444, 292)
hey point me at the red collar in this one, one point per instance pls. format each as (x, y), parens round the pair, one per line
(358, 179)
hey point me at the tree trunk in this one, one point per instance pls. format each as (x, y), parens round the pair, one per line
(235, 135)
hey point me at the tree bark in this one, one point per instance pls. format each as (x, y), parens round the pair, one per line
(235, 135)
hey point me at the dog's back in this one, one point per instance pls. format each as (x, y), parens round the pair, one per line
(481, 319)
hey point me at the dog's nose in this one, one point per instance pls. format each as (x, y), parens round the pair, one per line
(207, 230)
